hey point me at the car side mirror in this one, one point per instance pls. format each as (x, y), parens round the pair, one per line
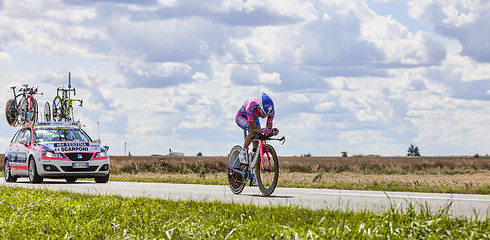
(23, 141)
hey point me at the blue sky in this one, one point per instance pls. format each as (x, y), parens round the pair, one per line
(366, 77)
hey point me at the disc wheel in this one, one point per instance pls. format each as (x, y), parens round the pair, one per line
(57, 109)
(267, 171)
(47, 112)
(11, 113)
(235, 180)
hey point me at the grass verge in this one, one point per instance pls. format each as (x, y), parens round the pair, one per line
(40, 214)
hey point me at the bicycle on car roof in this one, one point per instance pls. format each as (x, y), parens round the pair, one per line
(22, 108)
(62, 104)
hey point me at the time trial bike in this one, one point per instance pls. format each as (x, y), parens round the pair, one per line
(63, 104)
(264, 164)
(22, 108)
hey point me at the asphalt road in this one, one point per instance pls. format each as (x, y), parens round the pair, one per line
(461, 204)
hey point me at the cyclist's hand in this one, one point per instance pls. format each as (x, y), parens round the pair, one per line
(267, 131)
(275, 131)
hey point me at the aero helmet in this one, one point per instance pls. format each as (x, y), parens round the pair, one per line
(266, 105)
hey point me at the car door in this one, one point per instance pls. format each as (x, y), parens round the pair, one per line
(18, 166)
(24, 149)
(11, 151)
(15, 159)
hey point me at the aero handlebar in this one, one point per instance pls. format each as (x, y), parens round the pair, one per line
(269, 137)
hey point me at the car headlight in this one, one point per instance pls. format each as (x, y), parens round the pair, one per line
(52, 154)
(101, 154)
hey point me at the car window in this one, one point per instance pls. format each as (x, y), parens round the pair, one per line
(15, 138)
(60, 135)
(27, 134)
(20, 136)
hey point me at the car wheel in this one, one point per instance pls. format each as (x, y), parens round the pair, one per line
(33, 175)
(103, 179)
(71, 179)
(8, 175)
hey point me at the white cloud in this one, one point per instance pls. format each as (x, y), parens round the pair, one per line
(156, 75)
(5, 57)
(469, 69)
(462, 20)
(399, 44)
(456, 18)
(298, 98)
(270, 78)
(323, 107)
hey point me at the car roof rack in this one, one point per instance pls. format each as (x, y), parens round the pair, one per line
(58, 124)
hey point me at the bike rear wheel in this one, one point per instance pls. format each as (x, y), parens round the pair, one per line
(24, 112)
(267, 171)
(33, 111)
(57, 109)
(47, 112)
(11, 113)
(235, 180)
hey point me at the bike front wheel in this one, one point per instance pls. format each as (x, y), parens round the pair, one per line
(57, 109)
(235, 180)
(267, 171)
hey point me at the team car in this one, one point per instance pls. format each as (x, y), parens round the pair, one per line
(55, 150)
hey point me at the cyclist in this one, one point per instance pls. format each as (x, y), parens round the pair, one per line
(247, 118)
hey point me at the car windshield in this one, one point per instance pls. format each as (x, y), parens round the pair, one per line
(60, 135)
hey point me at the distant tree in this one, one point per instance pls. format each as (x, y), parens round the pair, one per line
(129, 154)
(199, 154)
(413, 151)
(306, 155)
(344, 154)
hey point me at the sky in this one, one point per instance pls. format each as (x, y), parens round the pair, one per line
(363, 77)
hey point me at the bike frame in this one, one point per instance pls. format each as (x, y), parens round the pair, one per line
(262, 143)
(67, 102)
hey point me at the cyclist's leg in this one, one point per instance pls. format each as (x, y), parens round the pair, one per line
(256, 143)
(253, 181)
(242, 122)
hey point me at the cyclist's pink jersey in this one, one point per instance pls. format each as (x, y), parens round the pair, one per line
(250, 112)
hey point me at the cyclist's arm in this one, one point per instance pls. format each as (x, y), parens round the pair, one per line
(254, 128)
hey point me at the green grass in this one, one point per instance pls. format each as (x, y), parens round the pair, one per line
(372, 186)
(43, 214)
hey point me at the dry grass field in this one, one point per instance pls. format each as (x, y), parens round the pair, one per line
(436, 174)
(456, 174)
(364, 165)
